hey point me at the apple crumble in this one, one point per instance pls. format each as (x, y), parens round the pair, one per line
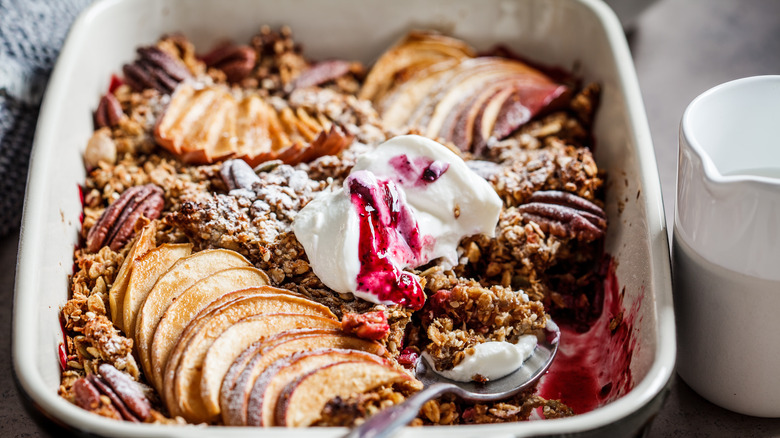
(273, 241)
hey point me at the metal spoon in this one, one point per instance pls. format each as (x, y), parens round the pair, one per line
(389, 420)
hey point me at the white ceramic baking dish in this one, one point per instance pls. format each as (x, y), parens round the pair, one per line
(582, 33)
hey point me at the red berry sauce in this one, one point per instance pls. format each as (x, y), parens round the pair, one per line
(593, 367)
(388, 234)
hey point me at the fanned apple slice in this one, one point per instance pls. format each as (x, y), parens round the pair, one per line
(186, 378)
(471, 76)
(189, 303)
(261, 406)
(183, 274)
(311, 123)
(116, 295)
(187, 111)
(146, 270)
(302, 400)
(240, 378)
(196, 326)
(400, 102)
(165, 133)
(252, 136)
(416, 51)
(236, 338)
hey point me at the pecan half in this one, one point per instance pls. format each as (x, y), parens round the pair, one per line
(127, 390)
(156, 69)
(565, 215)
(567, 199)
(236, 61)
(116, 225)
(86, 395)
(116, 402)
(109, 111)
(127, 400)
(236, 174)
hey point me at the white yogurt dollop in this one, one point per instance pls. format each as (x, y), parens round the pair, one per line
(457, 204)
(492, 360)
(437, 195)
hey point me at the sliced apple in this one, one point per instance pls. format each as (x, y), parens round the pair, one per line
(470, 76)
(401, 102)
(252, 133)
(189, 303)
(301, 401)
(425, 83)
(145, 273)
(116, 295)
(270, 383)
(187, 111)
(240, 378)
(185, 379)
(196, 326)
(416, 51)
(236, 338)
(183, 274)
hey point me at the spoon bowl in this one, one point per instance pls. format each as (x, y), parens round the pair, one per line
(389, 420)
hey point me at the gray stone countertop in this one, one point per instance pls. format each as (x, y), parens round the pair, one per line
(681, 48)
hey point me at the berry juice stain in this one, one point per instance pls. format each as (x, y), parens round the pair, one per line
(389, 234)
(593, 367)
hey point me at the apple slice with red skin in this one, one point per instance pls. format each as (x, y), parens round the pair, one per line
(416, 51)
(189, 304)
(182, 274)
(271, 382)
(236, 338)
(467, 77)
(185, 366)
(116, 295)
(302, 400)
(238, 382)
(195, 327)
(237, 368)
(400, 102)
(144, 274)
(516, 109)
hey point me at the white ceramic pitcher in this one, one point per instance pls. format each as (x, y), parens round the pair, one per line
(726, 246)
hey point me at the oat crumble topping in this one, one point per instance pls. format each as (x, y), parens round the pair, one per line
(502, 287)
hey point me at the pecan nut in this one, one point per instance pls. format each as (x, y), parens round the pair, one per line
(236, 174)
(127, 400)
(116, 402)
(237, 62)
(86, 395)
(568, 200)
(565, 215)
(117, 224)
(155, 69)
(109, 111)
(127, 390)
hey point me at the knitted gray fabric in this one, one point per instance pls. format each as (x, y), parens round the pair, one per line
(31, 34)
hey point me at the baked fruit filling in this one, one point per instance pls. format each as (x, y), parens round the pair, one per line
(273, 241)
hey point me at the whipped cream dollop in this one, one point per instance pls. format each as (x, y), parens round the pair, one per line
(409, 201)
(491, 360)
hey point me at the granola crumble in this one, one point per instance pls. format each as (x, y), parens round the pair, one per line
(501, 289)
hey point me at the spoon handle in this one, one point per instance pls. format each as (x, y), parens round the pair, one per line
(389, 420)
